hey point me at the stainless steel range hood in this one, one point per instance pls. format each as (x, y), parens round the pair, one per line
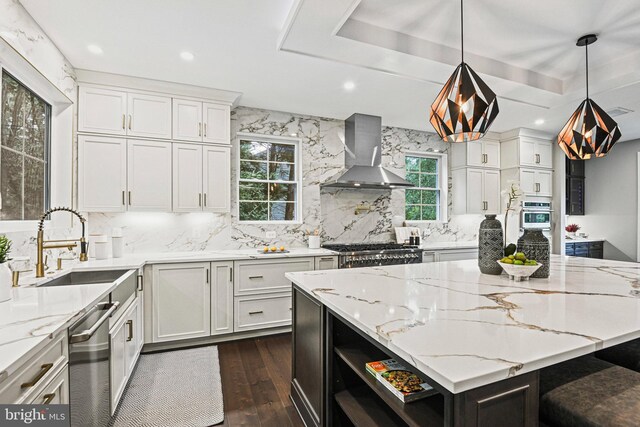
(363, 157)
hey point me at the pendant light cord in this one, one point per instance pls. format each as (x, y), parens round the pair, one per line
(462, 29)
(586, 50)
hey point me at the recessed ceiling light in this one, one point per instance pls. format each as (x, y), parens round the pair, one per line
(95, 49)
(187, 56)
(539, 122)
(349, 85)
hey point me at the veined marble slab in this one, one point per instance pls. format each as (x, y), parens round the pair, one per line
(33, 315)
(465, 329)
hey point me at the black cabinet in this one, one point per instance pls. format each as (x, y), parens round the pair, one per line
(575, 190)
(585, 249)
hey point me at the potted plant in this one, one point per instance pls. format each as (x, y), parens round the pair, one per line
(572, 229)
(5, 271)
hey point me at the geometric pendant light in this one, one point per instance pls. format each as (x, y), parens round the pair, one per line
(465, 108)
(590, 132)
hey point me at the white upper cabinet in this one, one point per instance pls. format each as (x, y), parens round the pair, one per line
(187, 177)
(484, 153)
(476, 191)
(102, 111)
(535, 182)
(102, 173)
(216, 120)
(149, 176)
(201, 122)
(522, 148)
(149, 116)
(187, 120)
(117, 112)
(217, 178)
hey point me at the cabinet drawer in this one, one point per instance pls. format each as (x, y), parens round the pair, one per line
(56, 392)
(259, 312)
(265, 276)
(38, 370)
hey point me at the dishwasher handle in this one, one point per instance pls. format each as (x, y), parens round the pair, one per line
(88, 333)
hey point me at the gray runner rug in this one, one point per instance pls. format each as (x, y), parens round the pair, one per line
(173, 388)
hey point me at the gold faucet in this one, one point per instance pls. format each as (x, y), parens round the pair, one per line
(54, 244)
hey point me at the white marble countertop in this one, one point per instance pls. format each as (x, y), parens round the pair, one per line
(434, 246)
(583, 239)
(34, 314)
(465, 329)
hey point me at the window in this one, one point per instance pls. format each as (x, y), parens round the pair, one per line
(268, 187)
(24, 152)
(427, 201)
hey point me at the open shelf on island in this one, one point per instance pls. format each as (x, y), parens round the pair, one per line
(363, 409)
(424, 412)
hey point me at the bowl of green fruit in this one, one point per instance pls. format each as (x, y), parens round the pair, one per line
(518, 267)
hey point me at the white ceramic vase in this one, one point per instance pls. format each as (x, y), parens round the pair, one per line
(5, 282)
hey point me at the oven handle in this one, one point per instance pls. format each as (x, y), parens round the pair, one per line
(88, 333)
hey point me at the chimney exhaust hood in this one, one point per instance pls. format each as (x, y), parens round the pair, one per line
(363, 157)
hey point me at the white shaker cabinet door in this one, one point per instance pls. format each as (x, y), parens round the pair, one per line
(217, 178)
(528, 181)
(475, 201)
(149, 176)
(492, 154)
(149, 116)
(528, 153)
(118, 364)
(475, 153)
(102, 173)
(491, 187)
(221, 297)
(187, 177)
(216, 124)
(545, 154)
(187, 120)
(544, 183)
(102, 111)
(181, 301)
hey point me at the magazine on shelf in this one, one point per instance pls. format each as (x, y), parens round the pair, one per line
(404, 384)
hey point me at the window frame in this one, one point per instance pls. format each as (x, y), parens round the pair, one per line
(274, 139)
(443, 186)
(47, 146)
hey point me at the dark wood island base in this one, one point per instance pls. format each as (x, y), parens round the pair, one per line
(330, 386)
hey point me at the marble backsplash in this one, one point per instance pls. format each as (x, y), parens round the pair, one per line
(332, 211)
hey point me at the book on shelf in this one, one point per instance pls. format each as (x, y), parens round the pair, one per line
(404, 384)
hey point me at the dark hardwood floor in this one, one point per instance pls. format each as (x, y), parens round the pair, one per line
(256, 375)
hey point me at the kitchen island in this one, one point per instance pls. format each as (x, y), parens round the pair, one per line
(479, 340)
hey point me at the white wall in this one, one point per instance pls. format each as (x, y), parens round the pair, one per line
(611, 201)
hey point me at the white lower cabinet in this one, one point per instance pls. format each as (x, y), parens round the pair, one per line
(56, 392)
(326, 262)
(181, 301)
(221, 297)
(449, 255)
(126, 338)
(262, 311)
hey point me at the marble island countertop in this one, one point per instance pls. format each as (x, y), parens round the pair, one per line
(583, 239)
(465, 329)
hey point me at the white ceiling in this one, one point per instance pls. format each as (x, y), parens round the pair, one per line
(295, 55)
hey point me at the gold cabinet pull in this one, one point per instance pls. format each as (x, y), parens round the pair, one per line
(207, 278)
(205, 194)
(43, 371)
(123, 199)
(199, 199)
(124, 121)
(205, 129)
(256, 277)
(251, 313)
(130, 120)
(130, 326)
(231, 274)
(47, 398)
(129, 198)
(199, 128)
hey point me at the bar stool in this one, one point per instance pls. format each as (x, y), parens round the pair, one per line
(590, 392)
(626, 355)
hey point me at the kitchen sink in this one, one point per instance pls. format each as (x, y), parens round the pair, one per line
(86, 278)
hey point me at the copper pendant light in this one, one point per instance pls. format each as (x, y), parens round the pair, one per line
(465, 108)
(590, 131)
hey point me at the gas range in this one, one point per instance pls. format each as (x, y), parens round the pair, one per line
(375, 254)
